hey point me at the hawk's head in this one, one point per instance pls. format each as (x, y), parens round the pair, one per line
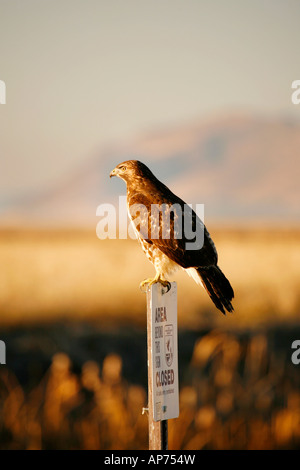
(132, 171)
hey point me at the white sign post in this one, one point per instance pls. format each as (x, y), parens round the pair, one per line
(163, 380)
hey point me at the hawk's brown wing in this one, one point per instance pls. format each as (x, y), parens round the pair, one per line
(171, 228)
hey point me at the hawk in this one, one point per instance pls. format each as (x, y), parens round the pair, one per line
(161, 235)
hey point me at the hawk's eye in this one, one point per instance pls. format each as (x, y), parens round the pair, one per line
(123, 168)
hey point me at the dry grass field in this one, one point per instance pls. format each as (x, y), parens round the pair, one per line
(73, 319)
(67, 274)
(237, 391)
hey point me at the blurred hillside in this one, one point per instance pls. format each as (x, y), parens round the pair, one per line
(242, 167)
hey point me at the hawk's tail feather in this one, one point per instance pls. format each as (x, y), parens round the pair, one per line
(218, 287)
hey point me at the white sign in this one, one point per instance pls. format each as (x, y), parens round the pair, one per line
(164, 352)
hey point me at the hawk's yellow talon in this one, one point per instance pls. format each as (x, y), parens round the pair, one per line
(149, 282)
(145, 283)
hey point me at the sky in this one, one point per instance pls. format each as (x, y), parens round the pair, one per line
(84, 74)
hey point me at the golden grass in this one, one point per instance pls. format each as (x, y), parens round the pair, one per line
(71, 274)
(238, 393)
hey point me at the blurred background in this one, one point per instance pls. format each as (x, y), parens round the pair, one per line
(201, 92)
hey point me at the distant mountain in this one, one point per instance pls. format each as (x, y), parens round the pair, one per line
(241, 167)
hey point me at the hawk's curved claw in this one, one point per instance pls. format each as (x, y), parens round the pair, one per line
(149, 282)
(166, 284)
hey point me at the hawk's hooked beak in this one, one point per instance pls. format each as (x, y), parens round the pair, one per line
(114, 172)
